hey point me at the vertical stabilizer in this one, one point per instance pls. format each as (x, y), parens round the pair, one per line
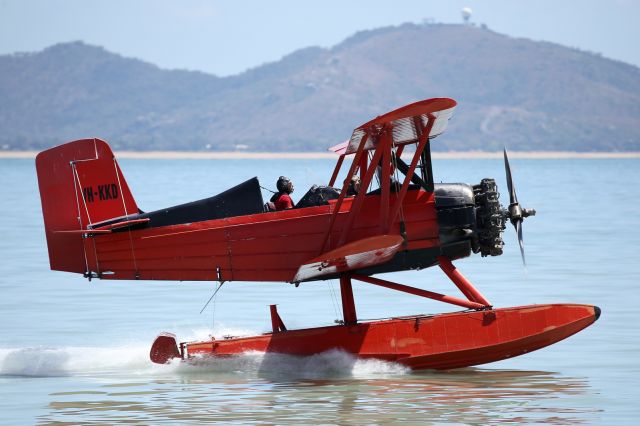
(80, 185)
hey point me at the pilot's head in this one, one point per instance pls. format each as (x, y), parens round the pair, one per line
(354, 185)
(284, 185)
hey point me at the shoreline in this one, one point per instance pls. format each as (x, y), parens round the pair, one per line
(455, 155)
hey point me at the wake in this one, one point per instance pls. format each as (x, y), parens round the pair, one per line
(133, 360)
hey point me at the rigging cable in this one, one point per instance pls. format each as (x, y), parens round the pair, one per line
(334, 299)
(212, 296)
(213, 315)
(267, 189)
(76, 179)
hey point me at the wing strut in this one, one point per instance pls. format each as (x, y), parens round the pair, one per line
(423, 141)
(334, 176)
(475, 299)
(419, 292)
(357, 203)
(343, 193)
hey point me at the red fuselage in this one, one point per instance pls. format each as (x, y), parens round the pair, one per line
(259, 247)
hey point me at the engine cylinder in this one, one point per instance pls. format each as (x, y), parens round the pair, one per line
(490, 219)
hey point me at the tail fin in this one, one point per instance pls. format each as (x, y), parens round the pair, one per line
(80, 185)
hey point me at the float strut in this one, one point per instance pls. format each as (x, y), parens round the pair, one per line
(277, 324)
(419, 292)
(461, 282)
(348, 305)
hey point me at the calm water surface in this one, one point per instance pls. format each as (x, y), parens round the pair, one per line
(77, 352)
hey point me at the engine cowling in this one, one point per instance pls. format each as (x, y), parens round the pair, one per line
(472, 213)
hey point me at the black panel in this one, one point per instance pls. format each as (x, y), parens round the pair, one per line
(457, 217)
(453, 195)
(240, 200)
(317, 196)
(455, 204)
(420, 259)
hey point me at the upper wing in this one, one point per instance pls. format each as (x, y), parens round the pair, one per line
(405, 121)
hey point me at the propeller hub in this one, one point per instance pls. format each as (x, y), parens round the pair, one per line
(515, 212)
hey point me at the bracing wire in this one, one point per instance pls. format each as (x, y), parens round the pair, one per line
(334, 298)
(76, 189)
(267, 189)
(213, 315)
(212, 296)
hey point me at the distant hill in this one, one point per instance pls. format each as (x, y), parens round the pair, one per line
(525, 94)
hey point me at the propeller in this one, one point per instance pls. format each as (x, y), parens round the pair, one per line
(515, 213)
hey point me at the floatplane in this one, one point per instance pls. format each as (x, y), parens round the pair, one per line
(400, 219)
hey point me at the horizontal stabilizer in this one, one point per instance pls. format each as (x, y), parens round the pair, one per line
(106, 229)
(356, 255)
(84, 231)
(121, 224)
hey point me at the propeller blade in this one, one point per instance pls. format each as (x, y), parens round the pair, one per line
(518, 226)
(515, 212)
(512, 191)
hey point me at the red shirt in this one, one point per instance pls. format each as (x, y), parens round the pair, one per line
(284, 201)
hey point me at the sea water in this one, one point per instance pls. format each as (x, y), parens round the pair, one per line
(73, 351)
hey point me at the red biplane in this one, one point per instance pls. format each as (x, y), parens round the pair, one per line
(400, 219)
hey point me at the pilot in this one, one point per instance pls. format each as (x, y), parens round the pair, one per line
(281, 199)
(354, 186)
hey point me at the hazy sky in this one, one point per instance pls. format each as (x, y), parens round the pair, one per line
(227, 37)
